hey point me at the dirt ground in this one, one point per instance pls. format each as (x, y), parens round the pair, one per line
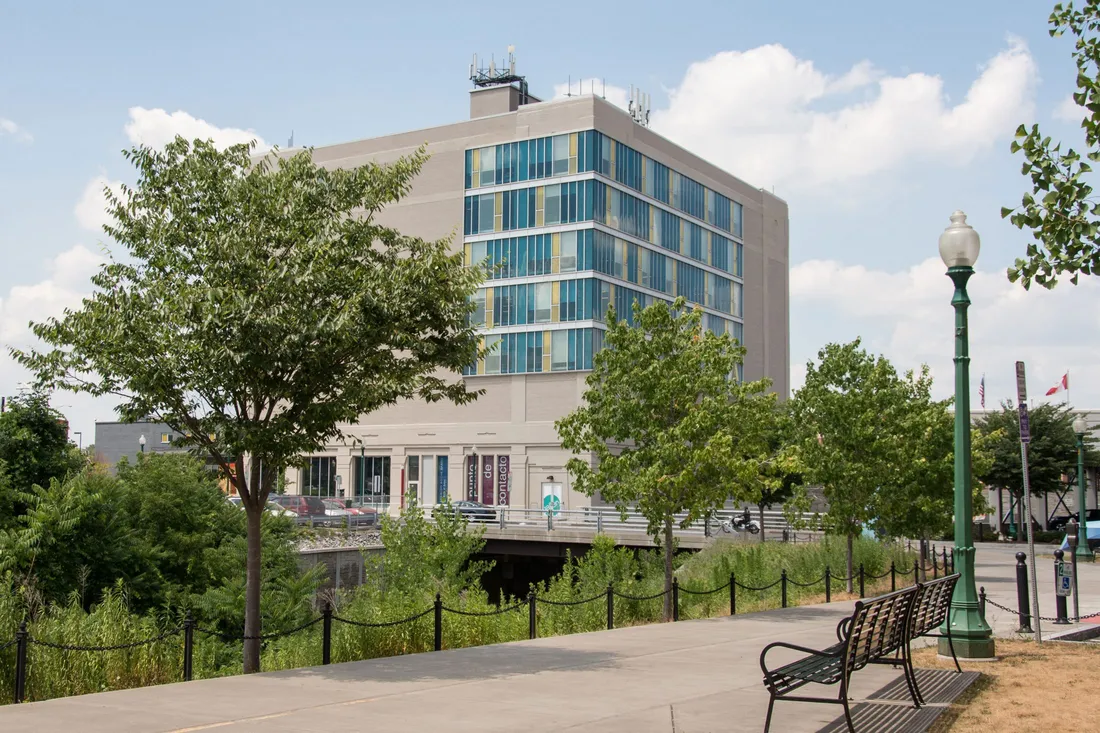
(1053, 687)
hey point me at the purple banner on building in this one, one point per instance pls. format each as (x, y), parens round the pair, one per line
(487, 480)
(471, 478)
(503, 476)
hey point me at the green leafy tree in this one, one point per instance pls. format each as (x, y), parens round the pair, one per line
(781, 473)
(921, 503)
(34, 448)
(665, 428)
(1051, 453)
(1061, 211)
(259, 305)
(848, 415)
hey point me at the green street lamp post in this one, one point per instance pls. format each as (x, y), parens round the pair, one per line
(973, 639)
(1083, 553)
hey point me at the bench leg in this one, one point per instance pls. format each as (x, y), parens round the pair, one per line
(911, 680)
(844, 702)
(768, 720)
(951, 646)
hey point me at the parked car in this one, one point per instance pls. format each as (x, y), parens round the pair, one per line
(1059, 523)
(272, 507)
(472, 510)
(304, 507)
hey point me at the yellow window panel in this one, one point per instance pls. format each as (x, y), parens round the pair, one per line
(573, 144)
(469, 254)
(540, 202)
(546, 351)
(488, 307)
(498, 218)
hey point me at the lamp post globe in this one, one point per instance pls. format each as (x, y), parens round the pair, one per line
(972, 637)
(141, 443)
(1082, 552)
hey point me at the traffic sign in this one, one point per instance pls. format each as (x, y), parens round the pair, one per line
(1064, 579)
(551, 503)
(1025, 424)
(1021, 383)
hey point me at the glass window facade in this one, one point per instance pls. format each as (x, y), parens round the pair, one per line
(652, 259)
(319, 476)
(582, 152)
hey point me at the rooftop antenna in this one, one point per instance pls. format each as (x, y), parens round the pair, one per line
(638, 107)
(290, 142)
(491, 77)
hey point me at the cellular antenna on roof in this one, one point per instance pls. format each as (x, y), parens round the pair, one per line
(491, 77)
(638, 107)
(290, 142)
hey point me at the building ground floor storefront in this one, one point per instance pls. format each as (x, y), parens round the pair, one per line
(382, 477)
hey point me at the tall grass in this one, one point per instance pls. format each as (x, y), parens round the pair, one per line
(57, 673)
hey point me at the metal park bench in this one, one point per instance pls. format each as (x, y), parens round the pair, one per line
(878, 629)
(930, 611)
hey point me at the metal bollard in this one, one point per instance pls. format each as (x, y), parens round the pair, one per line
(1023, 602)
(981, 601)
(675, 599)
(1061, 611)
(532, 617)
(935, 568)
(610, 607)
(733, 594)
(893, 577)
(828, 584)
(861, 579)
(21, 662)
(916, 572)
(783, 587)
(188, 646)
(326, 634)
(438, 622)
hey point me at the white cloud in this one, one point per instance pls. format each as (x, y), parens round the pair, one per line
(616, 95)
(91, 209)
(907, 316)
(67, 283)
(1069, 111)
(156, 128)
(7, 127)
(774, 118)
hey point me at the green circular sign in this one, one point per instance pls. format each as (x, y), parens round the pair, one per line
(551, 503)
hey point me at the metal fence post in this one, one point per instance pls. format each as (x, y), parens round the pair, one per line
(861, 579)
(893, 576)
(21, 662)
(945, 571)
(326, 634)
(935, 569)
(828, 584)
(1060, 605)
(1023, 601)
(532, 618)
(610, 607)
(438, 622)
(981, 600)
(188, 646)
(916, 571)
(675, 599)
(733, 594)
(599, 521)
(783, 586)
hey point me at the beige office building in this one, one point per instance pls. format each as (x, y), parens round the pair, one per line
(581, 207)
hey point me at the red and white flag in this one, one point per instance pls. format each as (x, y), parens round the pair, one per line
(1063, 384)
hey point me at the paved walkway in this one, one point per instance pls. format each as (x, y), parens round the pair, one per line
(604, 682)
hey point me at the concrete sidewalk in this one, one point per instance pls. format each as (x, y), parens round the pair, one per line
(607, 682)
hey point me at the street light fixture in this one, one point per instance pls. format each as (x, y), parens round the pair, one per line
(972, 637)
(141, 442)
(1082, 553)
(80, 438)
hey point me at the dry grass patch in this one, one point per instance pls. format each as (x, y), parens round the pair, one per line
(1031, 688)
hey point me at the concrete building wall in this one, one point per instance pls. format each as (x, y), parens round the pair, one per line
(515, 415)
(114, 440)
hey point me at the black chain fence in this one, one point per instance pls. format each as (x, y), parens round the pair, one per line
(23, 638)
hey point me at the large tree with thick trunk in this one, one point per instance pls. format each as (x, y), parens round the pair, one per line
(257, 305)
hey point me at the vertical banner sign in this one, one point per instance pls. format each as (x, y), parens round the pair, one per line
(442, 464)
(471, 478)
(503, 476)
(487, 488)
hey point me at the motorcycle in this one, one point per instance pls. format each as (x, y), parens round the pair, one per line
(742, 523)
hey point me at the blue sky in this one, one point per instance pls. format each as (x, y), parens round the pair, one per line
(874, 120)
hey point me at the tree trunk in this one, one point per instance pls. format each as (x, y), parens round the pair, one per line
(851, 574)
(761, 507)
(252, 590)
(668, 568)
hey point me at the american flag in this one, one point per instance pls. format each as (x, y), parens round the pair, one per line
(981, 391)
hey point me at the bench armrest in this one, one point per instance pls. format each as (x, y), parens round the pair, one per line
(843, 628)
(794, 647)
